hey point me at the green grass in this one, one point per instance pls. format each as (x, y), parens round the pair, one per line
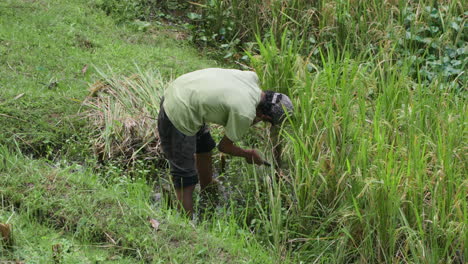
(53, 200)
(53, 41)
(35, 242)
(49, 204)
(44, 47)
(375, 167)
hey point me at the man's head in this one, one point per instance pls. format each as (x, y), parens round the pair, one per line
(273, 107)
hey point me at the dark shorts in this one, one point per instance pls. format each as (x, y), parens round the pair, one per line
(179, 149)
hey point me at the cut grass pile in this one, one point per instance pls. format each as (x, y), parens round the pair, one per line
(122, 115)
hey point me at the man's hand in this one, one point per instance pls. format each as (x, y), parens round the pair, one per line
(253, 157)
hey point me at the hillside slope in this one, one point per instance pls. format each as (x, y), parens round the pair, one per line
(61, 211)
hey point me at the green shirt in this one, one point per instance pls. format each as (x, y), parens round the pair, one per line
(221, 96)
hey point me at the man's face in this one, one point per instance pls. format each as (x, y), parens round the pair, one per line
(261, 117)
(256, 120)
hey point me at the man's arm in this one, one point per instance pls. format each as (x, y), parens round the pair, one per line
(250, 155)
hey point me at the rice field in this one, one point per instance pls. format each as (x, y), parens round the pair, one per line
(370, 168)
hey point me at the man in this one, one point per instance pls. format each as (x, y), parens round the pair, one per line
(231, 98)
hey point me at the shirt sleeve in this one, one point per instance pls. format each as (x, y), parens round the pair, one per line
(237, 125)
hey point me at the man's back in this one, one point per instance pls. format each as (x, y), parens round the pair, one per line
(221, 96)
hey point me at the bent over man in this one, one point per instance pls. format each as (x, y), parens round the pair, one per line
(230, 98)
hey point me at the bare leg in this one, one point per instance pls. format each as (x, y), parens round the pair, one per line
(204, 168)
(185, 197)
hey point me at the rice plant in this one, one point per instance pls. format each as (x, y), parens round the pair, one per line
(377, 164)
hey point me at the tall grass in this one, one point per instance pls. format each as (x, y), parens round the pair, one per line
(377, 164)
(433, 32)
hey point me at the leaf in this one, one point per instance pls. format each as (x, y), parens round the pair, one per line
(455, 62)
(6, 234)
(110, 238)
(311, 67)
(408, 35)
(433, 12)
(203, 38)
(141, 25)
(426, 40)
(462, 51)
(449, 70)
(451, 52)
(197, 4)
(194, 16)
(222, 31)
(155, 224)
(201, 251)
(455, 26)
(18, 96)
(433, 29)
(85, 68)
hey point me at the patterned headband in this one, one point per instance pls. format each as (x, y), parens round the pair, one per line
(276, 96)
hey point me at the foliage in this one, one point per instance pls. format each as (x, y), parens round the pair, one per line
(37, 243)
(213, 24)
(432, 33)
(436, 43)
(277, 63)
(49, 53)
(129, 10)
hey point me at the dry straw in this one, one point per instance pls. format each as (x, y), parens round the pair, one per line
(122, 111)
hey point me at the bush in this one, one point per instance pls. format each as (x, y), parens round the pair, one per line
(129, 10)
